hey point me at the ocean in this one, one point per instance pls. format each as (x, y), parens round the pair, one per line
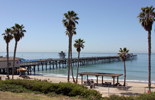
(136, 70)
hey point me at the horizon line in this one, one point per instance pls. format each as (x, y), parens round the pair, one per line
(67, 52)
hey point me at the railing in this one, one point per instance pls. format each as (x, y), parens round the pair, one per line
(128, 91)
(28, 63)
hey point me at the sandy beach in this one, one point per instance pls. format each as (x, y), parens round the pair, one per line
(132, 88)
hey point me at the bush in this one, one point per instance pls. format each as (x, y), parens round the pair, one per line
(65, 89)
(68, 89)
(117, 97)
(12, 88)
(146, 96)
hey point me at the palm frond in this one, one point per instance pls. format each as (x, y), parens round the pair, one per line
(123, 51)
(79, 44)
(76, 18)
(147, 17)
(76, 22)
(66, 24)
(8, 36)
(70, 20)
(64, 20)
(18, 31)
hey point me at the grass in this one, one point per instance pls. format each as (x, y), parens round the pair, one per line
(22, 96)
(31, 96)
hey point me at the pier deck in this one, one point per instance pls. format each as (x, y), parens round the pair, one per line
(48, 64)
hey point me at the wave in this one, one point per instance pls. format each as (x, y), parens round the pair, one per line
(93, 77)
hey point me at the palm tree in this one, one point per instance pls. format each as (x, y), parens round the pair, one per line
(18, 33)
(70, 22)
(146, 18)
(73, 33)
(122, 55)
(7, 37)
(78, 45)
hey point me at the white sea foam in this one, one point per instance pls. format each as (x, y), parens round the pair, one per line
(94, 78)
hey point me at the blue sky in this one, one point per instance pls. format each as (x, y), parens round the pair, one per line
(105, 25)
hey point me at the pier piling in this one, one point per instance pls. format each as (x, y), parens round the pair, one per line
(63, 63)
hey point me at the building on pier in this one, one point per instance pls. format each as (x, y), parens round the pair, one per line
(3, 64)
(62, 55)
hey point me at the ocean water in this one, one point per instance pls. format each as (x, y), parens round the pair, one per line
(136, 70)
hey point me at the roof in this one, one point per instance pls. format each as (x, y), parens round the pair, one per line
(21, 69)
(100, 74)
(10, 58)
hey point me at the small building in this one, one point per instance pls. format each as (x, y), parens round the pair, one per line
(3, 62)
(62, 55)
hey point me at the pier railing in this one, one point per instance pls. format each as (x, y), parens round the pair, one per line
(48, 64)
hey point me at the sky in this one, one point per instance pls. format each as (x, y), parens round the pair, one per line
(105, 25)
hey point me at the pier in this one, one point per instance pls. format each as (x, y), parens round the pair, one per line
(51, 64)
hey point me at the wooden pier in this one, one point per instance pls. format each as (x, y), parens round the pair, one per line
(51, 64)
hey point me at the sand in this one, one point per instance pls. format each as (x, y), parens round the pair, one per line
(133, 88)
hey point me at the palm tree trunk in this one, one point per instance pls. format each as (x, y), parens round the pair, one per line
(77, 67)
(8, 60)
(14, 59)
(149, 58)
(124, 74)
(71, 61)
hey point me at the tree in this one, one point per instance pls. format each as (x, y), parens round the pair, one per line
(78, 45)
(146, 18)
(73, 33)
(7, 37)
(70, 21)
(122, 55)
(18, 33)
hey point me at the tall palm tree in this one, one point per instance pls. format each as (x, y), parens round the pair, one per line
(73, 33)
(7, 37)
(18, 33)
(146, 18)
(122, 55)
(70, 21)
(78, 45)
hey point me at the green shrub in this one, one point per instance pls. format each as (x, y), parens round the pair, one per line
(45, 88)
(116, 97)
(76, 91)
(12, 88)
(64, 88)
(37, 86)
(68, 89)
(146, 96)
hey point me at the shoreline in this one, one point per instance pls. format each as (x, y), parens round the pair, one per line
(79, 78)
(94, 78)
